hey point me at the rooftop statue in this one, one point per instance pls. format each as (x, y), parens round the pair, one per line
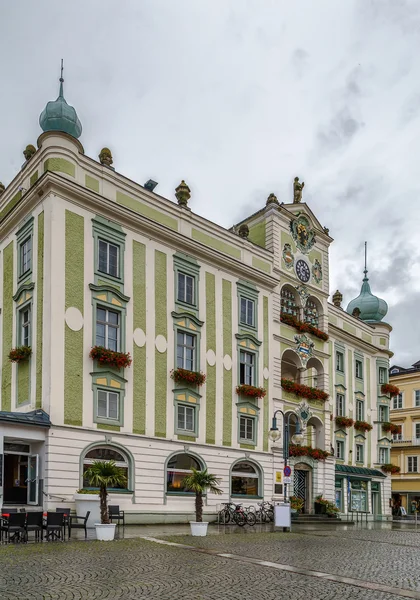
(297, 190)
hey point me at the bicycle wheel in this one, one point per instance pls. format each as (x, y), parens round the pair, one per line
(270, 514)
(223, 517)
(251, 519)
(239, 518)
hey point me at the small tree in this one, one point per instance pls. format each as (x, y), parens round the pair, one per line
(200, 482)
(105, 474)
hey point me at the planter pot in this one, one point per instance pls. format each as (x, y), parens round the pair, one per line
(320, 509)
(105, 533)
(85, 502)
(198, 529)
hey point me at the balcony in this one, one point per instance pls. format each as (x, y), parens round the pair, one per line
(406, 442)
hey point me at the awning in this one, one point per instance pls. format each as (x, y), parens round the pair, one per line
(38, 418)
(358, 471)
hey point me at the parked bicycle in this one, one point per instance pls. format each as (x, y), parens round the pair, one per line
(265, 512)
(236, 513)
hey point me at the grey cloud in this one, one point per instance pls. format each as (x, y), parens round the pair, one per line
(339, 131)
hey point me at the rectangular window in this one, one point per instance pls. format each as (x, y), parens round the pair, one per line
(339, 362)
(186, 292)
(383, 456)
(186, 418)
(108, 329)
(397, 437)
(416, 397)
(360, 410)
(382, 375)
(108, 405)
(339, 405)
(417, 431)
(25, 326)
(247, 312)
(246, 429)
(383, 414)
(398, 401)
(339, 449)
(185, 351)
(359, 369)
(246, 368)
(108, 257)
(412, 464)
(359, 453)
(26, 256)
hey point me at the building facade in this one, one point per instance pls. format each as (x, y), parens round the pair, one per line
(405, 453)
(98, 270)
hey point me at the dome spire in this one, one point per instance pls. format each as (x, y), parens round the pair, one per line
(366, 306)
(60, 116)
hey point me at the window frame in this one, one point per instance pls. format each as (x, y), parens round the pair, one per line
(385, 453)
(248, 302)
(247, 292)
(339, 444)
(360, 409)
(339, 357)
(127, 463)
(186, 277)
(360, 448)
(108, 393)
(108, 381)
(188, 399)
(108, 244)
(195, 349)
(188, 266)
(416, 398)
(194, 456)
(358, 363)
(382, 371)
(25, 235)
(22, 309)
(106, 324)
(254, 366)
(382, 408)
(342, 412)
(111, 233)
(238, 474)
(399, 399)
(414, 462)
(416, 424)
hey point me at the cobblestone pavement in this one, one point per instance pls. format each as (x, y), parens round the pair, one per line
(130, 569)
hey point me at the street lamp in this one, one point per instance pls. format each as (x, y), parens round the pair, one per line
(275, 435)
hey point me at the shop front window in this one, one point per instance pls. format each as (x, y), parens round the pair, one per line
(245, 479)
(106, 454)
(178, 467)
(358, 496)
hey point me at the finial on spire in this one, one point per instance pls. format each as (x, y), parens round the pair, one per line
(365, 271)
(61, 95)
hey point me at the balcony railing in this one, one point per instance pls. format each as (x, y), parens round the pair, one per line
(407, 441)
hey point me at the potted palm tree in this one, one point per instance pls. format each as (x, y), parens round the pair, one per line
(200, 482)
(105, 474)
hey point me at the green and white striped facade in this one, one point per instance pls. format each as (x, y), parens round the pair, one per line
(65, 202)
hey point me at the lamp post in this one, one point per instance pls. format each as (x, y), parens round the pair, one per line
(275, 435)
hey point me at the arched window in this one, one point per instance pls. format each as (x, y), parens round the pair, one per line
(288, 303)
(245, 479)
(107, 453)
(177, 468)
(311, 313)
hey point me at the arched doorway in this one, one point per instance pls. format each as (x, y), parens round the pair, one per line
(302, 485)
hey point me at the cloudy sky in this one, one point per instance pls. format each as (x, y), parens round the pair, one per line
(237, 97)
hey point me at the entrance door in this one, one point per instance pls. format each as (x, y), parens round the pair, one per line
(301, 487)
(376, 507)
(33, 479)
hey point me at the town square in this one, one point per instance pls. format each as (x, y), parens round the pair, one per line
(209, 282)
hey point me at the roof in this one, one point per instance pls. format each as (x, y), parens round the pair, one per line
(38, 418)
(358, 471)
(403, 371)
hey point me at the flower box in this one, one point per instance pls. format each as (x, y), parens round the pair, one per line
(109, 358)
(388, 388)
(250, 391)
(188, 377)
(363, 426)
(315, 453)
(344, 422)
(391, 428)
(304, 391)
(303, 327)
(390, 468)
(20, 354)
(296, 503)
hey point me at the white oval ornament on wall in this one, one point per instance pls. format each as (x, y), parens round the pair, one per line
(74, 318)
(211, 357)
(160, 343)
(139, 337)
(227, 362)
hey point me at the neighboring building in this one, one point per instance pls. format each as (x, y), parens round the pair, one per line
(405, 453)
(90, 258)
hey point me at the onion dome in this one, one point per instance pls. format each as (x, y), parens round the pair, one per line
(366, 306)
(60, 116)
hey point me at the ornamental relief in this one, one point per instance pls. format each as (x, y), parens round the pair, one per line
(302, 233)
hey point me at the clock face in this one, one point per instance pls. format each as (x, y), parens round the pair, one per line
(302, 271)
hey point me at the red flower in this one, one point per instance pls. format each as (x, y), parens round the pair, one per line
(303, 327)
(344, 422)
(363, 426)
(390, 468)
(251, 391)
(104, 356)
(388, 388)
(304, 391)
(391, 428)
(193, 377)
(20, 354)
(315, 453)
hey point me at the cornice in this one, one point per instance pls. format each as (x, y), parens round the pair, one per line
(336, 332)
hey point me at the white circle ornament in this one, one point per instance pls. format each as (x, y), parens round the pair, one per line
(211, 358)
(266, 373)
(74, 318)
(139, 337)
(161, 344)
(227, 362)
